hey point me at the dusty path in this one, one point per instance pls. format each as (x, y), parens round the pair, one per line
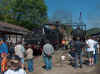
(59, 68)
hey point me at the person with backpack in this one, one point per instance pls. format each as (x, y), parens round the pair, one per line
(77, 47)
(47, 53)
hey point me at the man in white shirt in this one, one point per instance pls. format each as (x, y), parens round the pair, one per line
(19, 51)
(91, 50)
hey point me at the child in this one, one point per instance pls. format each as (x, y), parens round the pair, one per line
(15, 66)
(29, 56)
(3, 62)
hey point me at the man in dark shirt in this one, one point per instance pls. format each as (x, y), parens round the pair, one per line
(77, 46)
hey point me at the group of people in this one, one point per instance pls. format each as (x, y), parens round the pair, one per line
(89, 47)
(12, 58)
(10, 63)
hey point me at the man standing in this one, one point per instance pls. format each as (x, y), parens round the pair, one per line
(91, 50)
(3, 49)
(19, 51)
(29, 56)
(47, 53)
(78, 46)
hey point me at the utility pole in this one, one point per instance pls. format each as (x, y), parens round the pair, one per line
(81, 21)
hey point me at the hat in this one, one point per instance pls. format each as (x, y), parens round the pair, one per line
(14, 59)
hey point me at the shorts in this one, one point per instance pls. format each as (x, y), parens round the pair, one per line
(90, 54)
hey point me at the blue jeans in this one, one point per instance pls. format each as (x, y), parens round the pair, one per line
(48, 62)
(30, 65)
(95, 58)
(78, 57)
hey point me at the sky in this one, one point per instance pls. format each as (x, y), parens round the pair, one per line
(90, 10)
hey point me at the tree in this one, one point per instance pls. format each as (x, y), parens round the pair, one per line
(27, 13)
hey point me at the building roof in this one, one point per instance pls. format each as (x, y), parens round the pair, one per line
(6, 27)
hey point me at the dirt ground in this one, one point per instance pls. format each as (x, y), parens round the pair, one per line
(63, 68)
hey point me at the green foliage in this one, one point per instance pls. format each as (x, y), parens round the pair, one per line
(25, 13)
(93, 31)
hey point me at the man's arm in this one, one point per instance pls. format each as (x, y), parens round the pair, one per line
(98, 48)
(52, 49)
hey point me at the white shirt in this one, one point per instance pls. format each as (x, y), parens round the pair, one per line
(29, 53)
(91, 43)
(19, 50)
(20, 71)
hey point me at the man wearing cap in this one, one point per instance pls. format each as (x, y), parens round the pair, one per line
(14, 66)
(3, 49)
